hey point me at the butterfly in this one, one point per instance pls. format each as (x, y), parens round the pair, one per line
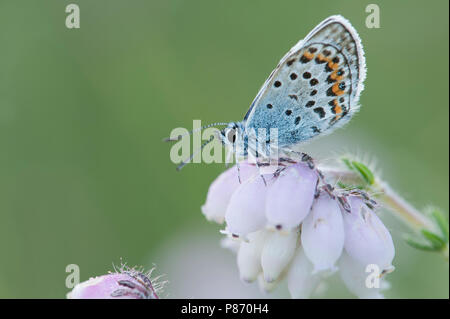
(314, 89)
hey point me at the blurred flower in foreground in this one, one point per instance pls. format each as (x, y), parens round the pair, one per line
(287, 226)
(125, 283)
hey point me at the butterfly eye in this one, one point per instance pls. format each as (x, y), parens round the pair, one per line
(231, 135)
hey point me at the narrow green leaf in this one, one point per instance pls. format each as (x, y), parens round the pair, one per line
(365, 172)
(435, 240)
(343, 185)
(418, 245)
(441, 222)
(347, 163)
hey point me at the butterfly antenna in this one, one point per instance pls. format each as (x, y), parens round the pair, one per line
(183, 163)
(179, 137)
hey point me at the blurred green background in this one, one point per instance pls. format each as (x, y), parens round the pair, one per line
(84, 176)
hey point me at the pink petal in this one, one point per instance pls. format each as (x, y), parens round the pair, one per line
(222, 188)
(290, 197)
(245, 212)
(367, 240)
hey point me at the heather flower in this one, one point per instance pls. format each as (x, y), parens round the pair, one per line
(301, 279)
(367, 240)
(290, 199)
(126, 283)
(355, 277)
(222, 188)
(245, 210)
(277, 254)
(323, 234)
(284, 225)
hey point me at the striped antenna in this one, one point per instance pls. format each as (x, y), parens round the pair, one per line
(179, 137)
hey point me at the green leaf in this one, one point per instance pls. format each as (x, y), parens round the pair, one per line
(439, 217)
(419, 245)
(365, 172)
(347, 163)
(343, 185)
(435, 240)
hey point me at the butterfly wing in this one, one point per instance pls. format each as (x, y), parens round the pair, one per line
(315, 87)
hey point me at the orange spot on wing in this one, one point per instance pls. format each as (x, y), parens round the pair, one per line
(308, 55)
(334, 75)
(337, 109)
(332, 65)
(336, 90)
(321, 57)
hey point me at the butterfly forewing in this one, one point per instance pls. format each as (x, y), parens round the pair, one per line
(315, 87)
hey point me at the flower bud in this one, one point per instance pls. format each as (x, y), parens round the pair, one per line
(222, 188)
(125, 285)
(301, 281)
(367, 240)
(290, 197)
(323, 233)
(245, 212)
(277, 253)
(249, 255)
(360, 279)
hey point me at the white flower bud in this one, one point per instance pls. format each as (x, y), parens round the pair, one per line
(222, 188)
(323, 234)
(290, 197)
(249, 255)
(301, 281)
(245, 212)
(362, 280)
(277, 253)
(367, 240)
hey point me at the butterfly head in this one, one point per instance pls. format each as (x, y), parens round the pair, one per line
(234, 136)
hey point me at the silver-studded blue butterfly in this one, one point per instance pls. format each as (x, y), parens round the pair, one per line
(314, 89)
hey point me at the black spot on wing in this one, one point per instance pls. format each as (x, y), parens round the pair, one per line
(320, 111)
(310, 103)
(315, 129)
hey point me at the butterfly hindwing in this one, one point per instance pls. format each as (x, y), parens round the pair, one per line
(315, 87)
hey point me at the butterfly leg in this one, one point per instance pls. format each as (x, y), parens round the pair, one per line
(262, 176)
(372, 204)
(310, 162)
(238, 167)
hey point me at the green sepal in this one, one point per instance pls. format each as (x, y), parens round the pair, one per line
(347, 163)
(365, 172)
(435, 240)
(441, 222)
(362, 169)
(419, 245)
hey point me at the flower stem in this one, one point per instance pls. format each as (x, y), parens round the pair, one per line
(404, 210)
